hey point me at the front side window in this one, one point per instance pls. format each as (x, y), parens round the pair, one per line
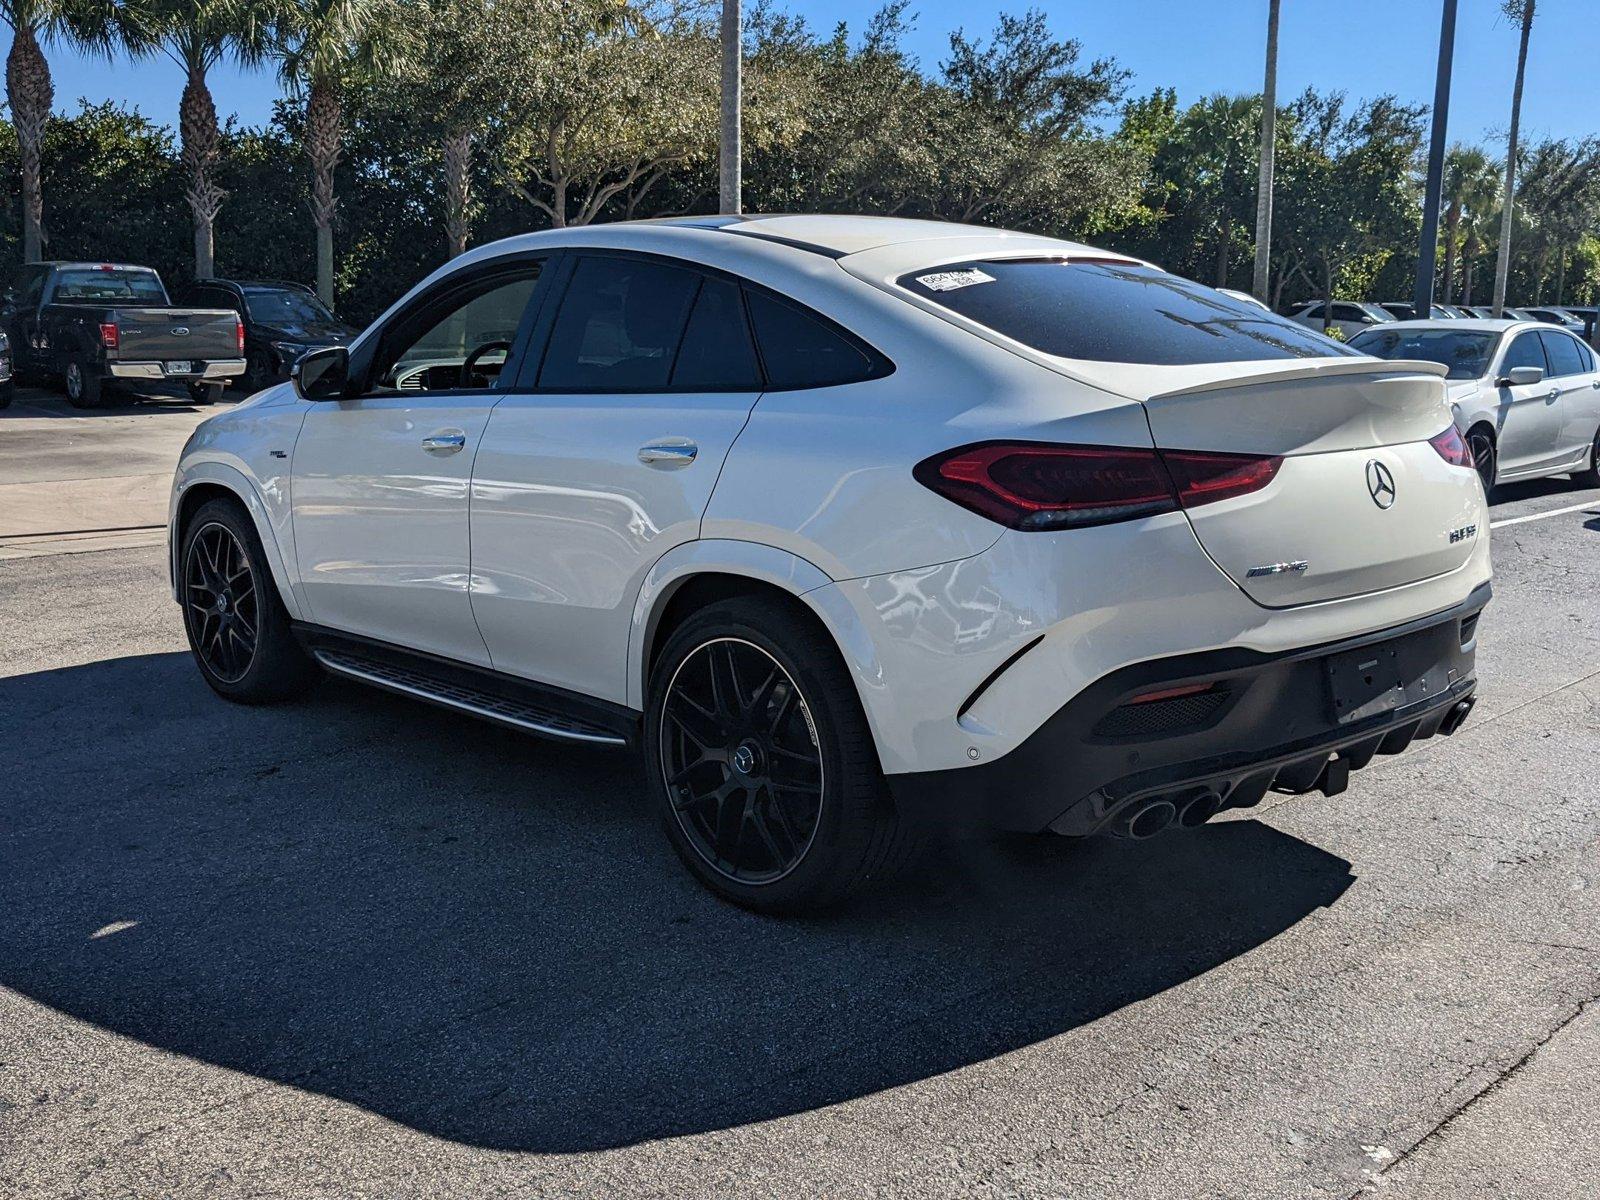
(1562, 352)
(109, 285)
(459, 339)
(1112, 311)
(1465, 353)
(619, 327)
(1524, 352)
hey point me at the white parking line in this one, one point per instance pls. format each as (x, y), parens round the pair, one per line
(1554, 512)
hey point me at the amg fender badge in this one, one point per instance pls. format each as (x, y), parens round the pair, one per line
(1284, 568)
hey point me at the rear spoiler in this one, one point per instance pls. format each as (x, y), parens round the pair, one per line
(1321, 369)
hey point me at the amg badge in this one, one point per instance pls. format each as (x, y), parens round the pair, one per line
(1462, 534)
(1283, 568)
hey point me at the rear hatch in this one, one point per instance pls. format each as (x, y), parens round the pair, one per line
(176, 334)
(1362, 500)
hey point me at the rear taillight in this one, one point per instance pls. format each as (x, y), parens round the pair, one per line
(1452, 448)
(238, 336)
(1030, 485)
(109, 337)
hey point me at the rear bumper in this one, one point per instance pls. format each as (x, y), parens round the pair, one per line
(156, 372)
(1265, 721)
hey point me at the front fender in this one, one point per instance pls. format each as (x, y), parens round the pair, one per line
(209, 471)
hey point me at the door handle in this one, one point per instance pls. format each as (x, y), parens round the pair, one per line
(669, 452)
(444, 443)
(1553, 394)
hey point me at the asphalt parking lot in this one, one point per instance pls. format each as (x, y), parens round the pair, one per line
(359, 947)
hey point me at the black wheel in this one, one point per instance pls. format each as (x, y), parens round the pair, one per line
(762, 765)
(7, 392)
(82, 384)
(1481, 442)
(257, 371)
(237, 627)
(1591, 477)
(205, 393)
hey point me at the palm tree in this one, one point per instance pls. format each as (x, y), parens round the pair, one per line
(324, 45)
(1269, 120)
(1517, 10)
(729, 149)
(1471, 182)
(30, 92)
(196, 35)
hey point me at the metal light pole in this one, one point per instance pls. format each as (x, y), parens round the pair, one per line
(729, 148)
(1422, 297)
(1269, 125)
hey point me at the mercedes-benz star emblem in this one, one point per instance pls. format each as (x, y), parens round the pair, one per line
(1380, 484)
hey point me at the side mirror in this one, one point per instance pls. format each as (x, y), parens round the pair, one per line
(322, 374)
(1522, 376)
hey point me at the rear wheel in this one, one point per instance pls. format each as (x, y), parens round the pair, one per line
(1481, 442)
(1591, 477)
(237, 626)
(761, 764)
(257, 371)
(82, 385)
(205, 393)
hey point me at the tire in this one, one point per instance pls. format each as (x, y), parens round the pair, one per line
(1591, 477)
(257, 372)
(222, 557)
(205, 393)
(82, 384)
(8, 392)
(1485, 456)
(835, 831)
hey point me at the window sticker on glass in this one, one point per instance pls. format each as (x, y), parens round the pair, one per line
(949, 281)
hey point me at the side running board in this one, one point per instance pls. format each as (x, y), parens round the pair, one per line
(524, 714)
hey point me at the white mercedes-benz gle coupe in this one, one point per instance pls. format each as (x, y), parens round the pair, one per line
(858, 529)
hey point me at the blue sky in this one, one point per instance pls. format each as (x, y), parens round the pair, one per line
(1363, 47)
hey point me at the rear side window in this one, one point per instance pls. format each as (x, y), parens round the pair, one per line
(717, 354)
(1115, 312)
(619, 326)
(802, 351)
(1587, 355)
(1563, 354)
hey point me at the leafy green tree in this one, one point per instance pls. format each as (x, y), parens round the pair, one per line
(1208, 168)
(1471, 188)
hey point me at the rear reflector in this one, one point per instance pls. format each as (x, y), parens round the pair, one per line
(1040, 485)
(1452, 448)
(109, 337)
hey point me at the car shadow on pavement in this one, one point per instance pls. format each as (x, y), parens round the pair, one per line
(485, 937)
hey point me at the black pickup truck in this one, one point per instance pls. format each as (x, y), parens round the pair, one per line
(98, 325)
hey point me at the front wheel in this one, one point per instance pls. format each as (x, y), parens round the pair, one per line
(1481, 442)
(237, 626)
(761, 764)
(1591, 477)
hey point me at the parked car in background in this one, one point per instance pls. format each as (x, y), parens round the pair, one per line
(8, 385)
(1455, 310)
(1349, 317)
(1557, 316)
(95, 326)
(1403, 310)
(857, 528)
(282, 322)
(1525, 396)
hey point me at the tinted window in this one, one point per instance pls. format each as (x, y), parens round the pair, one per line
(112, 286)
(1587, 355)
(619, 326)
(1524, 352)
(1347, 312)
(800, 351)
(1314, 312)
(1466, 354)
(716, 353)
(1115, 312)
(1563, 354)
(285, 306)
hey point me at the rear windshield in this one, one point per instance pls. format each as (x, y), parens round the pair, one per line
(1465, 353)
(1115, 312)
(111, 286)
